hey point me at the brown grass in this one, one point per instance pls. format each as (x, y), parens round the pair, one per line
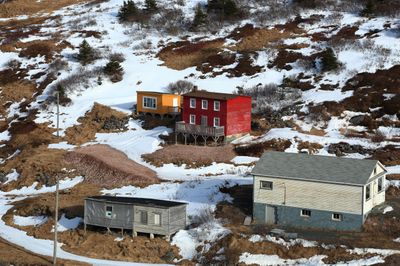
(310, 146)
(91, 123)
(185, 54)
(15, 92)
(257, 149)
(192, 156)
(108, 167)
(28, 7)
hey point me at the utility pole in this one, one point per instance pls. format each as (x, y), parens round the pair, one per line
(57, 186)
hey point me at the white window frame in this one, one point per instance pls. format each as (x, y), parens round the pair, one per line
(219, 106)
(368, 188)
(194, 119)
(204, 104)
(270, 187)
(219, 122)
(159, 219)
(149, 107)
(192, 100)
(109, 214)
(305, 215)
(337, 219)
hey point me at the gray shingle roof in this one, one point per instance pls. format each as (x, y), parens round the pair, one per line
(314, 167)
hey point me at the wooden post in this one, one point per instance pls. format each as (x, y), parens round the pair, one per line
(55, 225)
(176, 138)
(84, 228)
(151, 236)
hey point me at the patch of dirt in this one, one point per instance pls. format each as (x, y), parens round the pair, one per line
(257, 149)
(11, 254)
(311, 147)
(100, 119)
(103, 245)
(108, 167)
(389, 155)
(343, 148)
(192, 156)
(393, 177)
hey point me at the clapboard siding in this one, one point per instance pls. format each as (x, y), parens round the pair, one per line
(150, 227)
(308, 194)
(376, 196)
(177, 218)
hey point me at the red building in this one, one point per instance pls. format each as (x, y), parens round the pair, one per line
(211, 114)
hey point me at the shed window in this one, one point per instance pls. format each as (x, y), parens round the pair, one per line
(380, 184)
(109, 211)
(217, 105)
(305, 213)
(266, 185)
(157, 219)
(149, 102)
(337, 217)
(143, 217)
(368, 192)
(192, 103)
(217, 122)
(204, 104)
(192, 119)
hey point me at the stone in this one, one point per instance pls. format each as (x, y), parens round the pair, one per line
(247, 220)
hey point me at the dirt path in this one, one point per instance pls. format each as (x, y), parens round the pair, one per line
(11, 254)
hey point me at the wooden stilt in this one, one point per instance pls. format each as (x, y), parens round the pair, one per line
(84, 228)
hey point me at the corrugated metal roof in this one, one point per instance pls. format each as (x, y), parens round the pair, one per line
(211, 95)
(314, 167)
(137, 201)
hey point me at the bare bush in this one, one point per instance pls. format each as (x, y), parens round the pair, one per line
(171, 21)
(58, 65)
(180, 87)
(378, 136)
(78, 81)
(12, 64)
(204, 216)
(117, 57)
(271, 96)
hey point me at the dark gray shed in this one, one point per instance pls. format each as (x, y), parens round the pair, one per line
(141, 215)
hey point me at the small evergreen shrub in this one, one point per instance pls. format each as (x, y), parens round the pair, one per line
(128, 11)
(114, 70)
(86, 53)
(199, 19)
(329, 60)
(150, 5)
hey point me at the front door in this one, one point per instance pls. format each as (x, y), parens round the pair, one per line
(270, 217)
(204, 120)
(175, 105)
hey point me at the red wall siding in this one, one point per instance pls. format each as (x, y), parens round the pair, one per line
(234, 114)
(210, 113)
(238, 115)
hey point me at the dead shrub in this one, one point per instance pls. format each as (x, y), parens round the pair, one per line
(180, 87)
(378, 136)
(58, 65)
(38, 49)
(257, 149)
(204, 216)
(117, 57)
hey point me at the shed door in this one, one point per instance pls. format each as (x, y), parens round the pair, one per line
(270, 214)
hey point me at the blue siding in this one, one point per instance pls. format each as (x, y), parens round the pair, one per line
(290, 216)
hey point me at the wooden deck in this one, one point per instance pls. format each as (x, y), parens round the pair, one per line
(198, 130)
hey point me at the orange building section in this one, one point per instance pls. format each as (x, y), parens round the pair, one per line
(158, 103)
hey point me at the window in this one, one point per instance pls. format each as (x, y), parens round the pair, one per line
(192, 119)
(149, 102)
(157, 219)
(204, 104)
(336, 216)
(368, 192)
(305, 213)
(380, 184)
(216, 122)
(216, 105)
(204, 120)
(266, 185)
(109, 211)
(192, 103)
(143, 217)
